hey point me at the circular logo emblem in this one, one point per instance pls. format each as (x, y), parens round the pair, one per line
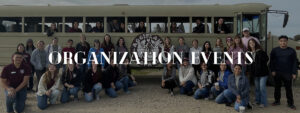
(147, 43)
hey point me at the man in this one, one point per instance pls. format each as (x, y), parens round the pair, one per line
(69, 49)
(220, 27)
(200, 28)
(52, 30)
(98, 27)
(247, 37)
(54, 48)
(14, 78)
(283, 65)
(75, 28)
(141, 27)
(82, 49)
(39, 60)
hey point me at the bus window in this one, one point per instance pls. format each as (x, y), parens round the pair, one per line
(158, 24)
(137, 24)
(94, 24)
(54, 23)
(198, 24)
(10, 24)
(180, 25)
(251, 21)
(33, 24)
(73, 24)
(223, 25)
(116, 24)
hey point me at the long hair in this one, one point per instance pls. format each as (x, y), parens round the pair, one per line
(240, 44)
(20, 44)
(118, 42)
(203, 47)
(170, 42)
(32, 45)
(47, 75)
(257, 46)
(105, 44)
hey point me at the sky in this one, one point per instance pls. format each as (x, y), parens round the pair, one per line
(274, 20)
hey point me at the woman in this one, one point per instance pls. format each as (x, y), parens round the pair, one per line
(29, 49)
(204, 83)
(55, 49)
(196, 50)
(92, 83)
(238, 90)
(97, 50)
(259, 70)
(169, 78)
(229, 43)
(209, 58)
(110, 77)
(222, 81)
(167, 49)
(107, 45)
(71, 82)
(237, 47)
(121, 49)
(26, 56)
(219, 49)
(126, 70)
(48, 87)
(187, 78)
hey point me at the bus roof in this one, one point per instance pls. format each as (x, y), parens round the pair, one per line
(134, 10)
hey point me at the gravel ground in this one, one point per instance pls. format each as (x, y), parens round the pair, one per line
(148, 97)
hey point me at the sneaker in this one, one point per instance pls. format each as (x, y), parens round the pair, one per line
(249, 106)
(172, 93)
(292, 107)
(276, 103)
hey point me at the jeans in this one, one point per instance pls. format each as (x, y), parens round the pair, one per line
(201, 93)
(111, 92)
(187, 88)
(17, 102)
(260, 90)
(244, 102)
(67, 92)
(131, 83)
(42, 101)
(39, 74)
(82, 69)
(225, 97)
(89, 96)
(122, 83)
(216, 92)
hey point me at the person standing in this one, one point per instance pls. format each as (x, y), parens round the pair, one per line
(14, 78)
(283, 65)
(247, 37)
(29, 49)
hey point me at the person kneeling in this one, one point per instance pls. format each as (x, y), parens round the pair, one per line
(169, 78)
(187, 78)
(48, 87)
(222, 79)
(204, 83)
(92, 83)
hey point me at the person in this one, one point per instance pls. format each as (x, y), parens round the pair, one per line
(52, 30)
(75, 28)
(48, 87)
(283, 65)
(238, 90)
(114, 26)
(28, 49)
(237, 47)
(200, 28)
(82, 48)
(97, 28)
(168, 79)
(219, 49)
(39, 60)
(204, 83)
(121, 48)
(197, 51)
(110, 78)
(229, 44)
(174, 28)
(259, 71)
(71, 82)
(107, 46)
(97, 50)
(220, 27)
(92, 83)
(209, 57)
(247, 37)
(126, 69)
(14, 78)
(182, 50)
(55, 49)
(167, 49)
(187, 78)
(222, 81)
(141, 28)
(26, 56)
(66, 52)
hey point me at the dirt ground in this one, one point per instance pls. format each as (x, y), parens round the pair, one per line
(148, 97)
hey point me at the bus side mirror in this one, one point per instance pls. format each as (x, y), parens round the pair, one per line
(286, 19)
